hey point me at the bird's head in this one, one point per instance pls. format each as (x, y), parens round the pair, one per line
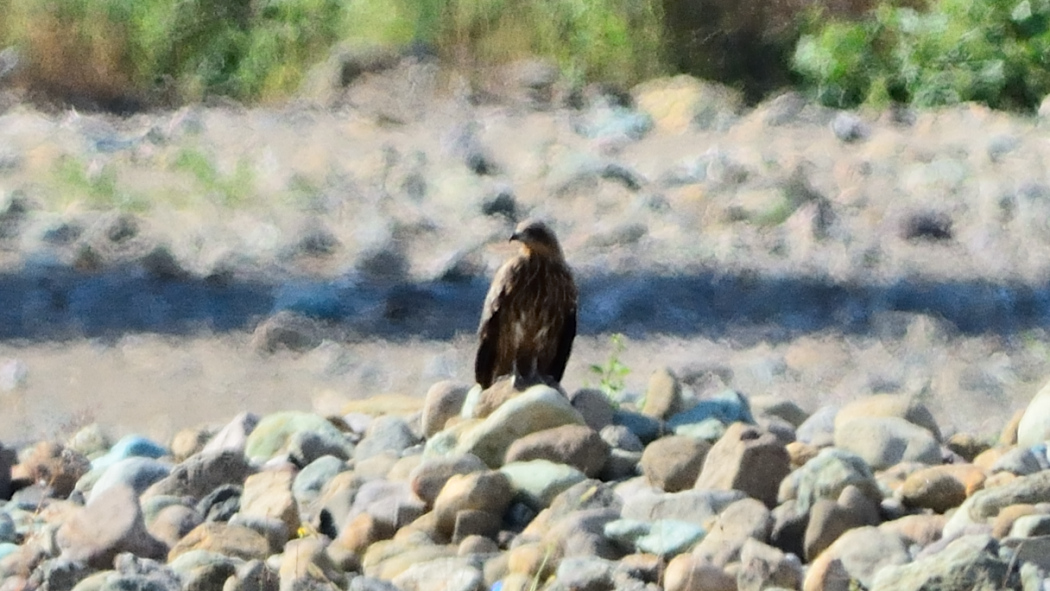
(536, 237)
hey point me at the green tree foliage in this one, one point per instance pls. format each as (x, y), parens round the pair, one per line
(992, 51)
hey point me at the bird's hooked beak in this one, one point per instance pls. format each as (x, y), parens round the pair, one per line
(514, 236)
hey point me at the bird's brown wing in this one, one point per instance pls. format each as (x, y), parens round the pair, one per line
(561, 356)
(486, 361)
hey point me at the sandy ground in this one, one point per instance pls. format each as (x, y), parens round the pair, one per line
(727, 275)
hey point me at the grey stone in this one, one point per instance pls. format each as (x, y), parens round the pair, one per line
(970, 563)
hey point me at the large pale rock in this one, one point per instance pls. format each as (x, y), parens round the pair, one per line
(388, 501)
(987, 503)
(428, 478)
(941, 488)
(695, 506)
(921, 530)
(575, 445)
(686, 572)
(663, 397)
(253, 575)
(673, 463)
(536, 409)
(479, 403)
(763, 566)
(746, 519)
(389, 558)
(187, 442)
(885, 441)
(443, 401)
(234, 435)
(480, 491)
(110, 524)
(683, 103)
(443, 574)
(828, 520)
(304, 563)
(228, 539)
(332, 508)
(363, 531)
(589, 494)
(203, 570)
(746, 459)
(970, 563)
(582, 533)
(858, 554)
(1034, 426)
(201, 474)
(1022, 461)
(584, 572)
(897, 406)
(268, 494)
(173, 522)
(1008, 435)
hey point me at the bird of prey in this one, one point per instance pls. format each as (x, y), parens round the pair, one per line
(528, 322)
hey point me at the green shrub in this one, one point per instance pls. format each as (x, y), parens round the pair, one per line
(151, 50)
(992, 51)
(609, 40)
(285, 39)
(106, 50)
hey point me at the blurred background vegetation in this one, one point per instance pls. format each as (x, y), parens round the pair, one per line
(128, 54)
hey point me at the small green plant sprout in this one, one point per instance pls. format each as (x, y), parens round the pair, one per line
(611, 375)
(229, 190)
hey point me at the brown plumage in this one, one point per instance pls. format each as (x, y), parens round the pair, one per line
(529, 319)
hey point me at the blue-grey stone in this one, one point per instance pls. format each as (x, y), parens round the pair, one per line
(386, 433)
(614, 122)
(819, 428)
(826, 475)
(728, 406)
(130, 446)
(646, 428)
(138, 473)
(8, 529)
(537, 482)
(709, 429)
(311, 479)
(663, 537)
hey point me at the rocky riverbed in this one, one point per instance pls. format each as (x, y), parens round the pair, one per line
(506, 490)
(321, 265)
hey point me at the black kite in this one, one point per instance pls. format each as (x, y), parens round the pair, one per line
(529, 319)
